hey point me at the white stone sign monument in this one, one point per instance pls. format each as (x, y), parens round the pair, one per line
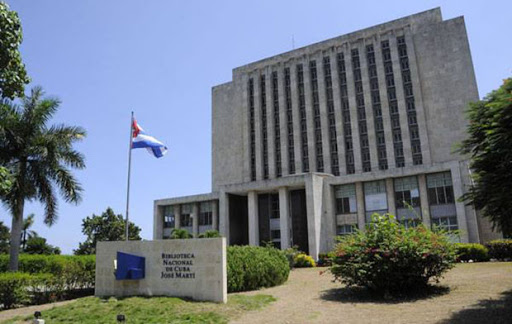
(193, 268)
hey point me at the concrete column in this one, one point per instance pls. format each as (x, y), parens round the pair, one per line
(322, 99)
(370, 121)
(254, 229)
(351, 90)
(390, 192)
(224, 215)
(361, 219)
(309, 116)
(195, 219)
(284, 217)
(158, 227)
(418, 98)
(402, 108)
(338, 114)
(314, 199)
(461, 210)
(215, 215)
(425, 209)
(384, 103)
(177, 216)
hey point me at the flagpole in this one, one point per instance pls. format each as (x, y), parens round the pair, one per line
(128, 186)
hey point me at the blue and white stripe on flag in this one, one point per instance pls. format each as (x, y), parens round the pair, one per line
(142, 140)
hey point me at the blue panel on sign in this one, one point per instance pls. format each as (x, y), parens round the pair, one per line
(130, 267)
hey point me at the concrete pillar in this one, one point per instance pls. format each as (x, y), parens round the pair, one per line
(284, 217)
(296, 118)
(361, 219)
(459, 206)
(177, 216)
(351, 91)
(254, 229)
(215, 215)
(158, 227)
(338, 113)
(314, 199)
(224, 215)
(322, 99)
(390, 193)
(195, 219)
(424, 206)
(310, 121)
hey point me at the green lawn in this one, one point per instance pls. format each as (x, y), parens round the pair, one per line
(150, 310)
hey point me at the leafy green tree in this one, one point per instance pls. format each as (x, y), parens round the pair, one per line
(105, 227)
(180, 233)
(5, 181)
(39, 157)
(4, 238)
(38, 245)
(26, 232)
(490, 148)
(13, 75)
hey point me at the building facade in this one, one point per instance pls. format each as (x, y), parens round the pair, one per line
(310, 143)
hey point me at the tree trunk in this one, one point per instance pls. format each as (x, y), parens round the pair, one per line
(17, 224)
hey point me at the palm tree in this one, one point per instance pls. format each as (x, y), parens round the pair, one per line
(180, 233)
(39, 156)
(26, 233)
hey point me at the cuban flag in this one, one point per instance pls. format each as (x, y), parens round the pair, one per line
(142, 140)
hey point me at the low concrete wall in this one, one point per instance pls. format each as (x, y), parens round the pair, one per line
(194, 268)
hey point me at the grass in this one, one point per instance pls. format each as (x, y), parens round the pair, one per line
(150, 310)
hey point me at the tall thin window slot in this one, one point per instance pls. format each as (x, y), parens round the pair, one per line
(252, 130)
(264, 132)
(303, 122)
(289, 121)
(345, 114)
(317, 124)
(331, 117)
(277, 126)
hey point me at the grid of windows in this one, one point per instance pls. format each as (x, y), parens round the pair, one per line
(169, 218)
(376, 107)
(346, 202)
(205, 213)
(277, 127)
(264, 133)
(316, 117)
(346, 229)
(186, 218)
(303, 123)
(345, 114)
(361, 112)
(333, 143)
(252, 146)
(289, 121)
(393, 105)
(409, 100)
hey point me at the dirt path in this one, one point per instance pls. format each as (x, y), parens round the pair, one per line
(25, 311)
(479, 293)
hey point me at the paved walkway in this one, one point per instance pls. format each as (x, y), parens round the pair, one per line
(479, 293)
(25, 311)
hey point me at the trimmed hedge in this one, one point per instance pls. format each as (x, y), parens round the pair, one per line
(471, 251)
(19, 288)
(500, 249)
(253, 267)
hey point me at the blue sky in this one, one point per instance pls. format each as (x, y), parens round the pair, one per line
(161, 58)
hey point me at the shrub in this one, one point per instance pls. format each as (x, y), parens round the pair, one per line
(390, 259)
(13, 288)
(303, 260)
(210, 234)
(290, 254)
(500, 249)
(253, 267)
(180, 234)
(325, 259)
(471, 251)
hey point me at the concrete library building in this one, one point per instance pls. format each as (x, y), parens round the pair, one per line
(308, 144)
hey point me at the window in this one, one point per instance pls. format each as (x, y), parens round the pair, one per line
(446, 223)
(252, 146)
(375, 198)
(169, 220)
(277, 132)
(410, 223)
(205, 214)
(274, 206)
(440, 189)
(303, 125)
(407, 192)
(316, 113)
(263, 102)
(345, 113)
(346, 229)
(345, 196)
(186, 218)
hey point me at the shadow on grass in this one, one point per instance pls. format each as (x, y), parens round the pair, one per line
(492, 311)
(363, 295)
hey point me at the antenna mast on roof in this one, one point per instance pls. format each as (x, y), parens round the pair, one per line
(293, 42)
